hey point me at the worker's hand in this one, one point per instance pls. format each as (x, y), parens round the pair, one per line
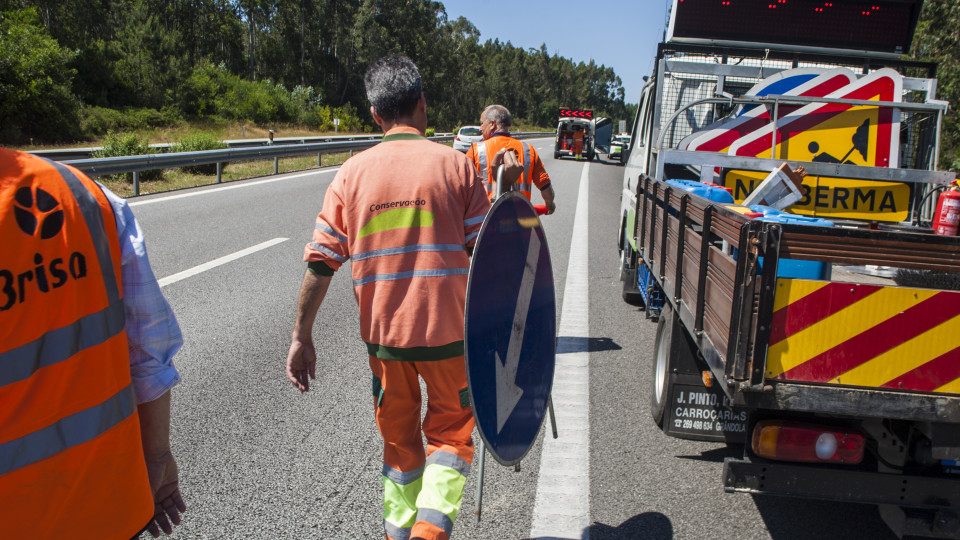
(301, 363)
(165, 484)
(512, 167)
(551, 207)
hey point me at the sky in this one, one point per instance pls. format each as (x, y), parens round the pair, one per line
(622, 34)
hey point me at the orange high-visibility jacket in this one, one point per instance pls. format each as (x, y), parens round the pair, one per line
(403, 214)
(71, 460)
(482, 153)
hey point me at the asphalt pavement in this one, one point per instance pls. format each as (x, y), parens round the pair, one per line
(259, 460)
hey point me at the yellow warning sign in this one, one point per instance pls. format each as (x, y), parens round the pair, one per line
(840, 198)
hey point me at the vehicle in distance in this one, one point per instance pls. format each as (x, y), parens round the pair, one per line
(466, 137)
(618, 147)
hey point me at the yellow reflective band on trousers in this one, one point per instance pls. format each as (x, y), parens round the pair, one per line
(400, 506)
(433, 494)
(444, 476)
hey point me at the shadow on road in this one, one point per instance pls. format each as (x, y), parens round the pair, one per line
(788, 518)
(717, 454)
(647, 525)
(569, 344)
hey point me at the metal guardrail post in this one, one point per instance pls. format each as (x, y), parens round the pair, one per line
(136, 183)
(276, 164)
(351, 153)
(219, 172)
(319, 159)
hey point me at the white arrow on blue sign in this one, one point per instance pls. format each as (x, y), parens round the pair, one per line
(510, 328)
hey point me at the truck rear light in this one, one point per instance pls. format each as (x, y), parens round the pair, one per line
(790, 441)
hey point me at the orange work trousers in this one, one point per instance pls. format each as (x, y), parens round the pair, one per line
(423, 488)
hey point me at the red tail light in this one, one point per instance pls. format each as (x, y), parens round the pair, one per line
(457, 138)
(791, 441)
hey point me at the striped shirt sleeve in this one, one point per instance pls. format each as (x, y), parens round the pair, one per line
(329, 243)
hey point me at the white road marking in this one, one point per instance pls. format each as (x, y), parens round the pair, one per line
(227, 188)
(217, 262)
(562, 505)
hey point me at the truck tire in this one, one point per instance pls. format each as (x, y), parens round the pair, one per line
(556, 155)
(661, 365)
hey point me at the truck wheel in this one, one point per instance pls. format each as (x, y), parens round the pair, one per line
(661, 365)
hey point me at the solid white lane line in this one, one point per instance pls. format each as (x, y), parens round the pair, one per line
(217, 262)
(562, 506)
(227, 188)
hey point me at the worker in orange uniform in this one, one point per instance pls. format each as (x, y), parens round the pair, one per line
(495, 122)
(578, 141)
(405, 213)
(86, 347)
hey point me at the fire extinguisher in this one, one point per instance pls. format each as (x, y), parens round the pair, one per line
(946, 221)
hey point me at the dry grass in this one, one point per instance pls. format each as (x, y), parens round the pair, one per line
(178, 179)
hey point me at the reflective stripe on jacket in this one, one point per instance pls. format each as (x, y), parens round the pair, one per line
(403, 214)
(523, 184)
(71, 459)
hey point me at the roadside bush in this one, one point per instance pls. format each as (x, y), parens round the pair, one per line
(118, 144)
(430, 132)
(99, 120)
(35, 95)
(198, 143)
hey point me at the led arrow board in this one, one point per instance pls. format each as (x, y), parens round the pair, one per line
(510, 328)
(576, 113)
(882, 26)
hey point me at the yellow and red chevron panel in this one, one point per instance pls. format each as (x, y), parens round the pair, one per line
(865, 335)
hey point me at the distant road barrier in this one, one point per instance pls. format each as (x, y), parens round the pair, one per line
(137, 164)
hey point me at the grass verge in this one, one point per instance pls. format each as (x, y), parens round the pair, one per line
(177, 179)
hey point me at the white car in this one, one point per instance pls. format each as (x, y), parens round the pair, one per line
(466, 137)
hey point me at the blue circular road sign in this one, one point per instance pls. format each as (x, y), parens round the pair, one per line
(510, 328)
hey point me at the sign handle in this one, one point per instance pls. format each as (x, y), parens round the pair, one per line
(553, 418)
(500, 180)
(483, 453)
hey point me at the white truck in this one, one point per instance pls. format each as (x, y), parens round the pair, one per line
(838, 388)
(580, 135)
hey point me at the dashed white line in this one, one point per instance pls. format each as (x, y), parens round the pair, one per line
(562, 506)
(217, 262)
(227, 188)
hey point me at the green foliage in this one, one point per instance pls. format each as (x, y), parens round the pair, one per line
(198, 143)
(236, 60)
(118, 144)
(35, 97)
(99, 120)
(430, 132)
(938, 40)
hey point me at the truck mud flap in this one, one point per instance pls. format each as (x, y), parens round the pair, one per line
(700, 413)
(838, 484)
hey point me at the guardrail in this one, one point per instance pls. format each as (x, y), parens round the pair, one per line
(64, 154)
(136, 164)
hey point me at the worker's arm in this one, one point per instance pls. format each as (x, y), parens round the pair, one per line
(548, 196)
(161, 467)
(302, 356)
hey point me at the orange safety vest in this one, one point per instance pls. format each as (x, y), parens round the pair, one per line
(71, 460)
(524, 183)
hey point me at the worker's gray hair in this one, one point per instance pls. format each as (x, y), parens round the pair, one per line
(393, 86)
(499, 115)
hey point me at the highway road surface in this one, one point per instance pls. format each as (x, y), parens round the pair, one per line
(259, 460)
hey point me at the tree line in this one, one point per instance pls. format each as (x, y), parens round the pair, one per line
(72, 69)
